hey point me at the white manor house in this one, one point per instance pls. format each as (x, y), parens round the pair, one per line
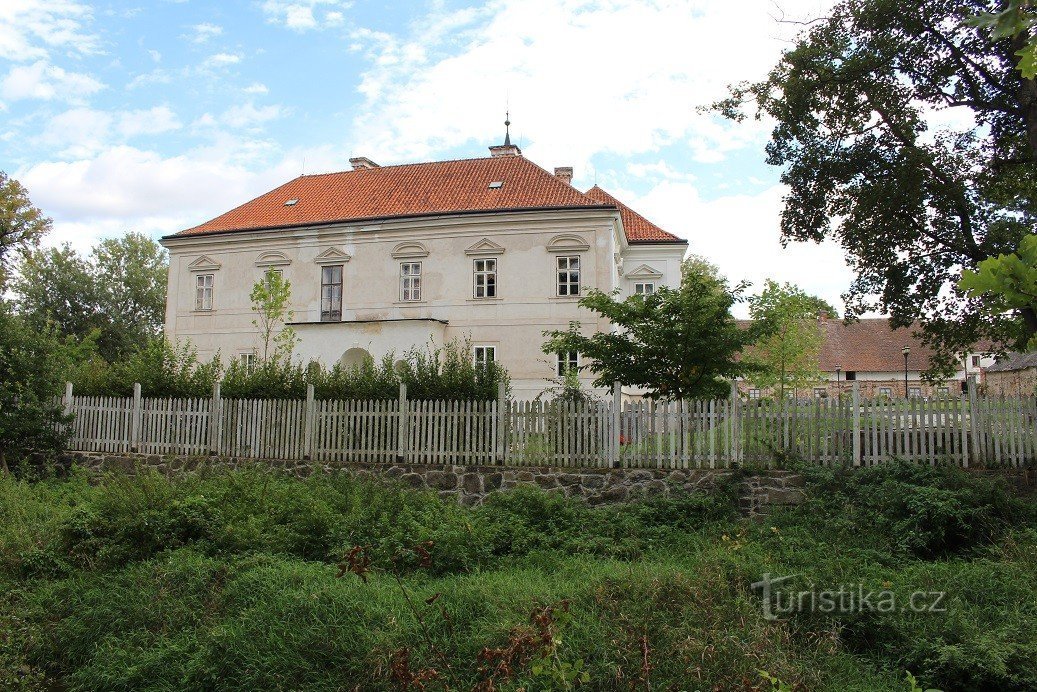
(384, 258)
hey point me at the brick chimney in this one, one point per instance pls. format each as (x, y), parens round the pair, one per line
(361, 162)
(565, 173)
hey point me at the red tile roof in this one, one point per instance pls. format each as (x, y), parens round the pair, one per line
(638, 228)
(441, 187)
(869, 345)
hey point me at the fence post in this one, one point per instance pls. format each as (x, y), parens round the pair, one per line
(856, 402)
(403, 441)
(215, 420)
(735, 452)
(135, 421)
(500, 445)
(974, 449)
(617, 408)
(66, 401)
(309, 418)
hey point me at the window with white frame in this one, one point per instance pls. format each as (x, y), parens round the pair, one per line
(331, 293)
(410, 281)
(914, 392)
(485, 278)
(754, 393)
(886, 392)
(203, 291)
(249, 360)
(943, 391)
(484, 355)
(644, 288)
(820, 392)
(568, 360)
(975, 361)
(569, 275)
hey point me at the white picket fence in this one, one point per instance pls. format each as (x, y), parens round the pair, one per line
(687, 434)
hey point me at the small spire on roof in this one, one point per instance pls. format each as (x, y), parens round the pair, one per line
(506, 149)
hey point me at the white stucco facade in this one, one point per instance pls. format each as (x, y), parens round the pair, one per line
(376, 320)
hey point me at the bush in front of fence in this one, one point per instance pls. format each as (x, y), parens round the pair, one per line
(164, 369)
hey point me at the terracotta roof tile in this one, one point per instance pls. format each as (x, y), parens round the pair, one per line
(440, 187)
(638, 228)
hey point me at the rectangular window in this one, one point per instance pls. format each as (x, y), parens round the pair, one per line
(754, 393)
(975, 361)
(410, 281)
(886, 392)
(644, 289)
(485, 278)
(820, 392)
(568, 360)
(851, 375)
(914, 392)
(249, 360)
(484, 355)
(568, 276)
(203, 292)
(943, 391)
(331, 293)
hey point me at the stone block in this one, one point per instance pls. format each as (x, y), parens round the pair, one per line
(472, 483)
(547, 481)
(492, 481)
(413, 480)
(568, 479)
(441, 480)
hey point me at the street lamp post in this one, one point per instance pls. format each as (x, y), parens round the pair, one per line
(906, 351)
(838, 382)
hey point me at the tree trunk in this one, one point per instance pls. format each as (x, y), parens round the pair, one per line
(1027, 98)
(3, 462)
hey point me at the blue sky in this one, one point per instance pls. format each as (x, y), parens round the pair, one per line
(154, 116)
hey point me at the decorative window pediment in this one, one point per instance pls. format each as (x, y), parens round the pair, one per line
(485, 247)
(568, 242)
(644, 272)
(409, 249)
(273, 259)
(204, 264)
(332, 255)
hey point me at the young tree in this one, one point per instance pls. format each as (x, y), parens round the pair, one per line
(21, 224)
(790, 338)
(864, 105)
(271, 301)
(677, 342)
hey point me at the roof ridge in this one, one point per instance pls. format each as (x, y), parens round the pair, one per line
(412, 163)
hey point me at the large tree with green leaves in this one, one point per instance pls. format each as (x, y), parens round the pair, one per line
(21, 224)
(119, 292)
(864, 106)
(678, 343)
(788, 347)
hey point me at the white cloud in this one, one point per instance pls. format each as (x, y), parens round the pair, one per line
(44, 81)
(248, 115)
(155, 55)
(85, 131)
(202, 33)
(125, 188)
(306, 15)
(222, 60)
(256, 88)
(30, 28)
(582, 78)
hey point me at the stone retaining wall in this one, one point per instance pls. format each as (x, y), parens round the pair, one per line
(471, 484)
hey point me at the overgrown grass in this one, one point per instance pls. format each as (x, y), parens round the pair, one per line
(239, 581)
